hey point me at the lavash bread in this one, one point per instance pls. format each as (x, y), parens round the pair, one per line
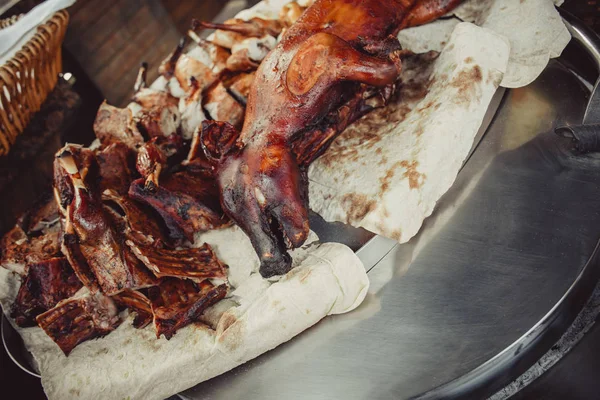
(131, 363)
(388, 175)
(534, 29)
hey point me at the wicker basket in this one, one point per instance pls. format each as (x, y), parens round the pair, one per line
(29, 76)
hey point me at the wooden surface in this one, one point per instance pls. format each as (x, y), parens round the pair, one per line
(111, 38)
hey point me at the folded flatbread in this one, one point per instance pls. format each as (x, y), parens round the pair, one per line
(131, 363)
(387, 171)
(534, 29)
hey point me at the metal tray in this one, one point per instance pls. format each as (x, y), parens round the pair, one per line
(494, 277)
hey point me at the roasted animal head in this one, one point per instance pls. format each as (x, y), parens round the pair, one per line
(306, 89)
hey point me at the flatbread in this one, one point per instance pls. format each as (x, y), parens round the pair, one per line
(387, 171)
(534, 29)
(131, 363)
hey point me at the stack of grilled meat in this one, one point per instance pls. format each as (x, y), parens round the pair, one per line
(119, 231)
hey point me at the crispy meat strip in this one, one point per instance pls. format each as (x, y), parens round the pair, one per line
(196, 263)
(142, 277)
(116, 167)
(90, 237)
(187, 203)
(83, 317)
(179, 302)
(46, 284)
(70, 248)
(141, 226)
(137, 302)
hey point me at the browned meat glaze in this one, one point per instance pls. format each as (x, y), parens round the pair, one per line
(142, 277)
(334, 51)
(180, 302)
(46, 284)
(197, 263)
(425, 11)
(141, 226)
(116, 167)
(80, 318)
(138, 302)
(186, 202)
(89, 236)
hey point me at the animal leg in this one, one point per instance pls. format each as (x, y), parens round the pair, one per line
(325, 59)
(311, 144)
(428, 10)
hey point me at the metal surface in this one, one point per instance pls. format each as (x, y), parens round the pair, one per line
(492, 273)
(15, 349)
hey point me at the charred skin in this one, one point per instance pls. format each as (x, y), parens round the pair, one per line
(334, 50)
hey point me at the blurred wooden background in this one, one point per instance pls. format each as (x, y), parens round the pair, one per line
(110, 38)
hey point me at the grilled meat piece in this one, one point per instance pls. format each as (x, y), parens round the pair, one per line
(82, 317)
(70, 248)
(46, 284)
(179, 302)
(213, 141)
(218, 55)
(116, 125)
(142, 277)
(141, 225)
(184, 67)
(90, 237)
(155, 112)
(138, 302)
(150, 161)
(196, 263)
(186, 202)
(116, 167)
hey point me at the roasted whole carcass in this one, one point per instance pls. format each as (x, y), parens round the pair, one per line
(339, 60)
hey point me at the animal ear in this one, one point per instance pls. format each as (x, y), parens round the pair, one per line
(217, 139)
